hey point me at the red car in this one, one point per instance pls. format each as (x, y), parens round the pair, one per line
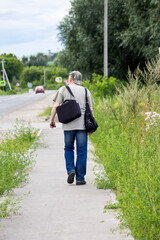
(39, 89)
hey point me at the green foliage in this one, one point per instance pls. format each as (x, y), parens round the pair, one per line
(142, 35)
(13, 66)
(36, 76)
(9, 205)
(111, 205)
(133, 36)
(81, 32)
(40, 59)
(31, 74)
(46, 113)
(101, 85)
(8, 92)
(16, 90)
(133, 31)
(127, 143)
(119, 56)
(15, 159)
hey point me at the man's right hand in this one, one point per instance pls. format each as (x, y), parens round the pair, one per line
(52, 124)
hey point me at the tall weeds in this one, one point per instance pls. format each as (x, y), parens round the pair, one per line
(16, 158)
(128, 145)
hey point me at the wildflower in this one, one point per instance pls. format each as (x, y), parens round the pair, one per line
(142, 104)
(151, 119)
(98, 106)
(116, 104)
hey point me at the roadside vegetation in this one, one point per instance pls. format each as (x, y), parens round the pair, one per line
(32, 70)
(14, 91)
(35, 75)
(16, 160)
(46, 113)
(127, 144)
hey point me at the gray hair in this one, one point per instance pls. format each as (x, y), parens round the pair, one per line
(76, 76)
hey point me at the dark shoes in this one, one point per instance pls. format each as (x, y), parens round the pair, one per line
(70, 178)
(80, 183)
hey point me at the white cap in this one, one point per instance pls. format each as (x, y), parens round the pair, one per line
(76, 76)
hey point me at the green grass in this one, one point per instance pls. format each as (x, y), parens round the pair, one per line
(130, 155)
(16, 159)
(111, 205)
(17, 90)
(7, 92)
(46, 113)
(127, 144)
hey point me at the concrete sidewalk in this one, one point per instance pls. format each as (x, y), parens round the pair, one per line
(55, 210)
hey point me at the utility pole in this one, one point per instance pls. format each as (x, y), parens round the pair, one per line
(5, 74)
(105, 37)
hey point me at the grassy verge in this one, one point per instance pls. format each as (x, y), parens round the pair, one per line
(14, 91)
(46, 113)
(16, 159)
(7, 92)
(127, 143)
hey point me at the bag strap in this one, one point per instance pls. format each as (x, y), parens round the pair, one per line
(69, 90)
(86, 95)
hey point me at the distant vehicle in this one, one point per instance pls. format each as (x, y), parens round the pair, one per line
(39, 89)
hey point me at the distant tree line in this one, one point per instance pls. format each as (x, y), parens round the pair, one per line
(39, 67)
(32, 69)
(133, 35)
(38, 60)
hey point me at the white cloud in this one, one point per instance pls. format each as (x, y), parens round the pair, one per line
(30, 26)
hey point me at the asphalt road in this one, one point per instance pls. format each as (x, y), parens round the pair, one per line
(10, 103)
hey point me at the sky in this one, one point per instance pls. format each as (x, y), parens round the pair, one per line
(30, 26)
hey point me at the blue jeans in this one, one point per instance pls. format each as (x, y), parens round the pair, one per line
(81, 145)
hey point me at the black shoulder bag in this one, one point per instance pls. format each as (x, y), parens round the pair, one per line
(69, 110)
(90, 122)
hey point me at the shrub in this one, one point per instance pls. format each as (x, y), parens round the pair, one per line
(101, 86)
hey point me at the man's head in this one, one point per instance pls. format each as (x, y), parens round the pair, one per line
(76, 77)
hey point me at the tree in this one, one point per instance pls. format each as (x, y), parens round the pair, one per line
(119, 57)
(134, 25)
(31, 74)
(35, 75)
(25, 61)
(81, 32)
(133, 35)
(13, 66)
(142, 34)
(39, 60)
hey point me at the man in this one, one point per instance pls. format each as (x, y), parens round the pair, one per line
(74, 130)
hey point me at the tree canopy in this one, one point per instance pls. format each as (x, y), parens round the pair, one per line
(133, 35)
(40, 59)
(81, 32)
(13, 66)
